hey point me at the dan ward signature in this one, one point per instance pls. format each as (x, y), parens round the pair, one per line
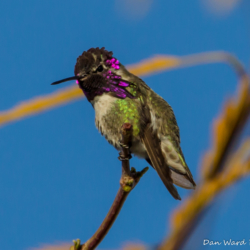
(225, 242)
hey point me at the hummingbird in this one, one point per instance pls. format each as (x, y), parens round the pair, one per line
(119, 97)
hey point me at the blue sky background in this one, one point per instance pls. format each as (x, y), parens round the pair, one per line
(58, 175)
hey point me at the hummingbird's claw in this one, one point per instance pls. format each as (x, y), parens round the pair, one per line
(123, 145)
(123, 158)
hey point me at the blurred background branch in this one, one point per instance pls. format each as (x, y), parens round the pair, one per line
(146, 67)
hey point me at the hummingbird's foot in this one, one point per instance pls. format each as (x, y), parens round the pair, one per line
(123, 158)
(123, 145)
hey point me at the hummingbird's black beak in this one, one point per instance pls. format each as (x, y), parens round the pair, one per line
(66, 79)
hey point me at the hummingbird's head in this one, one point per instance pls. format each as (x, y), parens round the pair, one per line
(97, 72)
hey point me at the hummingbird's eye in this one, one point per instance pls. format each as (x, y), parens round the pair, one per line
(100, 68)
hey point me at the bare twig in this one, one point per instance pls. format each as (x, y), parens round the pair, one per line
(128, 181)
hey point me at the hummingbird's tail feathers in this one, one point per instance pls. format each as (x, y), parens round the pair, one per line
(180, 172)
(152, 144)
(178, 178)
(182, 180)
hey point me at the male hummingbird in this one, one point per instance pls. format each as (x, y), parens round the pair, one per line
(120, 97)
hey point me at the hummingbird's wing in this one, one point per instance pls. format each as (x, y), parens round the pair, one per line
(164, 123)
(162, 141)
(161, 137)
(152, 144)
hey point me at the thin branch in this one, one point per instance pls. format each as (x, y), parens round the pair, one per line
(128, 181)
(161, 63)
(40, 104)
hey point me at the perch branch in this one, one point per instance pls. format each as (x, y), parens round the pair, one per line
(128, 181)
